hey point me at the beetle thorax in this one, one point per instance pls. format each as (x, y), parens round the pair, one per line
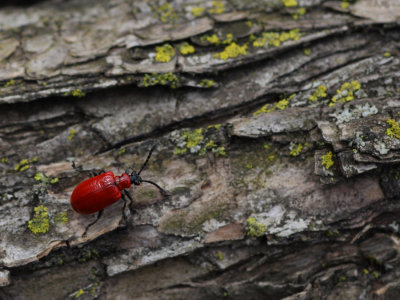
(123, 181)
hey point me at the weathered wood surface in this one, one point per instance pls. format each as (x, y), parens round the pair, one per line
(277, 139)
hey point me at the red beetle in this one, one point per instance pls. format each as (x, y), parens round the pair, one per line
(96, 193)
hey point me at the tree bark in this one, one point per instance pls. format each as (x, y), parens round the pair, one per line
(276, 132)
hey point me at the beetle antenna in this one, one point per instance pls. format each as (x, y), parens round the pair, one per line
(163, 192)
(147, 159)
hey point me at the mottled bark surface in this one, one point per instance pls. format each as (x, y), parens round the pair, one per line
(276, 125)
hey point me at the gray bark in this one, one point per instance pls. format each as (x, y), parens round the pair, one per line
(278, 142)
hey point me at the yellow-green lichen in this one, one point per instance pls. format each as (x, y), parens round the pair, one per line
(229, 39)
(307, 51)
(207, 83)
(164, 53)
(275, 38)
(299, 13)
(71, 134)
(61, 218)
(40, 222)
(295, 150)
(163, 79)
(24, 164)
(220, 151)
(280, 105)
(4, 160)
(9, 83)
(218, 7)
(289, 3)
(180, 151)
(94, 288)
(387, 54)
(219, 255)
(43, 178)
(346, 92)
(327, 161)
(78, 93)
(212, 39)
(196, 142)
(79, 293)
(231, 51)
(122, 151)
(366, 272)
(193, 137)
(185, 48)
(255, 228)
(166, 13)
(319, 93)
(197, 11)
(394, 129)
(345, 4)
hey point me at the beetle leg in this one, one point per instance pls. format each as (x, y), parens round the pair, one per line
(90, 225)
(124, 196)
(92, 172)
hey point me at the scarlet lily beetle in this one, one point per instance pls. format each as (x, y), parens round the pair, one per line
(96, 193)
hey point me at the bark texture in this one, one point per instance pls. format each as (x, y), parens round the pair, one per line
(276, 124)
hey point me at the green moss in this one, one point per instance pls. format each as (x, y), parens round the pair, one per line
(71, 134)
(197, 11)
(79, 293)
(342, 278)
(231, 51)
(218, 7)
(207, 83)
(249, 166)
(9, 83)
(40, 222)
(319, 93)
(185, 48)
(162, 79)
(280, 105)
(61, 218)
(394, 130)
(255, 228)
(164, 53)
(366, 272)
(289, 3)
(346, 92)
(295, 150)
(327, 161)
(78, 93)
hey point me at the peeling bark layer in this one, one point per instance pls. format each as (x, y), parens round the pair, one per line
(277, 137)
